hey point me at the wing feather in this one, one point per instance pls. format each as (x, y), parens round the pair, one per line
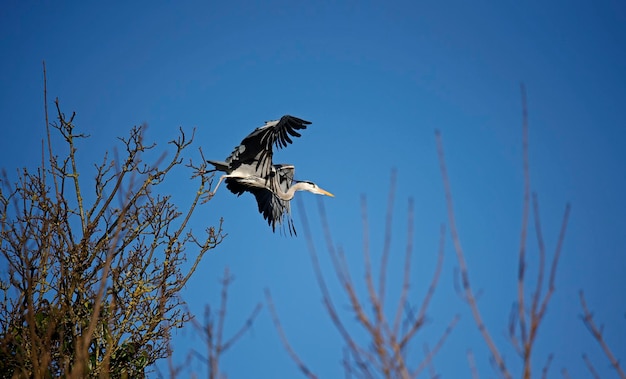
(276, 211)
(257, 148)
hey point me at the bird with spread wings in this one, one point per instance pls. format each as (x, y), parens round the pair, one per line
(249, 168)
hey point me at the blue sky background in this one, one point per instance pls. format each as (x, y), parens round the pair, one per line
(376, 79)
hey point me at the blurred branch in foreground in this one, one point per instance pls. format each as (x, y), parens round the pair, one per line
(214, 333)
(386, 351)
(524, 322)
(598, 335)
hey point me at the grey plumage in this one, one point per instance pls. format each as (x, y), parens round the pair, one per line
(249, 168)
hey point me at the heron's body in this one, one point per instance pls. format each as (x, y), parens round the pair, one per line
(249, 168)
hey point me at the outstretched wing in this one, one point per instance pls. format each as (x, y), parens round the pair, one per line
(256, 149)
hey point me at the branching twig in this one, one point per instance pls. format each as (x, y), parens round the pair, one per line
(385, 353)
(428, 358)
(214, 334)
(598, 336)
(469, 293)
(283, 338)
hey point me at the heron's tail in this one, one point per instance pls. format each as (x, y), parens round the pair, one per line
(219, 165)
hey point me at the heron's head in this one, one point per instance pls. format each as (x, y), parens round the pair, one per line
(314, 188)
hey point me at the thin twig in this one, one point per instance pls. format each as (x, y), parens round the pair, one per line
(360, 355)
(472, 364)
(525, 215)
(590, 367)
(419, 319)
(369, 281)
(565, 373)
(283, 338)
(438, 346)
(546, 367)
(597, 335)
(469, 294)
(431, 367)
(555, 259)
(387, 244)
(407, 267)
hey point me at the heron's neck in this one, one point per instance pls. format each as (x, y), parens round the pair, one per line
(290, 192)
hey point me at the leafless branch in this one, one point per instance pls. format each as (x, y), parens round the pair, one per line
(565, 373)
(472, 364)
(468, 292)
(386, 351)
(597, 334)
(283, 338)
(438, 347)
(590, 367)
(546, 367)
(432, 372)
(525, 214)
(214, 334)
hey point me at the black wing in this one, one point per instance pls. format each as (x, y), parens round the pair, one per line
(256, 148)
(273, 209)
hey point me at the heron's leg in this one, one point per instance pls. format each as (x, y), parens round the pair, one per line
(218, 184)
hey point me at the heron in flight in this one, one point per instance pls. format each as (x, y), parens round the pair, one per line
(249, 168)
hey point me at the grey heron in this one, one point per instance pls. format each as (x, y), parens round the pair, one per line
(249, 168)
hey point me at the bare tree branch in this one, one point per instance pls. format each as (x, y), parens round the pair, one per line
(283, 338)
(590, 367)
(472, 364)
(598, 336)
(468, 292)
(214, 334)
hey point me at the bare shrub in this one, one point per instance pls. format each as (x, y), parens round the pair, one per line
(91, 287)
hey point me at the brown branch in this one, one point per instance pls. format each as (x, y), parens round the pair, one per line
(369, 281)
(525, 216)
(385, 352)
(283, 338)
(438, 347)
(431, 367)
(546, 367)
(419, 320)
(542, 257)
(344, 279)
(387, 242)
(590, 367)
(597, 335)
(472, 364)
(45, 107)
(555, 259)
(407, 267)
(214, 334)
(469, 294)
(87, 337)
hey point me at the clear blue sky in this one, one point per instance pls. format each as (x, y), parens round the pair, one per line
(376, 80)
